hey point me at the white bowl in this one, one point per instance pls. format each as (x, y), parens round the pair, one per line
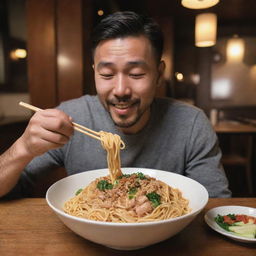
(126, 236)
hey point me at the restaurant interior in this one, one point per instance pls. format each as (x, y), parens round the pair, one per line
(210, 56)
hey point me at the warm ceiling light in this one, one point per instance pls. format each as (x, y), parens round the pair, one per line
(18, 54)
(235, 49)
(205, 29)
(199, 4)
(100, 12)
(179, 76)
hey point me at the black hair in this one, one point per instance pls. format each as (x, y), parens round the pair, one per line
(127, 23)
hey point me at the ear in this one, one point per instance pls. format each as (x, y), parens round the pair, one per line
(161, 69)
(93, 66)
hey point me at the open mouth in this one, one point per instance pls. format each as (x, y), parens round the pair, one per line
(124, 108)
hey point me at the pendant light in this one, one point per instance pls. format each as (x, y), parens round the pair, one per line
(205, 29)
(235, 49)
(199, 4)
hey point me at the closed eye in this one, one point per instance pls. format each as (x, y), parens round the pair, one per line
(137, 76)
(106, 76)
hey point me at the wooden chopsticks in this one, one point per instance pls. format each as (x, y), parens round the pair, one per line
(77, 127)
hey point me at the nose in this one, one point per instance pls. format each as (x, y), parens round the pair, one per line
(121, 87)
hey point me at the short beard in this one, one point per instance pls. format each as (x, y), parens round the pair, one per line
(123, 124)
(126, 124)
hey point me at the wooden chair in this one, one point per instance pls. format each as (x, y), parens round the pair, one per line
(237, 152)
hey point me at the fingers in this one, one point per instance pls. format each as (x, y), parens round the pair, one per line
(47, 129)
(52, 137)
(54, 120)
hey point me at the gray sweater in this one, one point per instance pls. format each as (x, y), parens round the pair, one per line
(178, 138)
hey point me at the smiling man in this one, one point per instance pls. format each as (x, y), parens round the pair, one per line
(159, 133)
(127, 73)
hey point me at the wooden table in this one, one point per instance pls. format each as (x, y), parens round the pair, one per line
(30, 227)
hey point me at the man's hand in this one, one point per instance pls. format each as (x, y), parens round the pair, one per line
(47, 129)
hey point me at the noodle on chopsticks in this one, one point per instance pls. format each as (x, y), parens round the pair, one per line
(112, 143)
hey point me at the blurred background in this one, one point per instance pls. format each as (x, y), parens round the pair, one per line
(210, 56)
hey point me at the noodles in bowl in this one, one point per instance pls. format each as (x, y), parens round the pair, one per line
(130, 198)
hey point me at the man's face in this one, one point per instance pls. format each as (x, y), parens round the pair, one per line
(126, 77)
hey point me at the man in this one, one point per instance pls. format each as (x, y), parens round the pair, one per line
(162, 134)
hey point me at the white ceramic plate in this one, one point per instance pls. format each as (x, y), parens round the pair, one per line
(229, 209)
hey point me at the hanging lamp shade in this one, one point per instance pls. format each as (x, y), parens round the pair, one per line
(199, 4)
(235, 49)
(205, 29)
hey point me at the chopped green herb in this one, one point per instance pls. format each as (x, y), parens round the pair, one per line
(116, 182)
(79, 191)
(103, 185)
(132, 192)
(154, 198)
(220, 221)
(232, 216)
(141, 176)
(124, 176)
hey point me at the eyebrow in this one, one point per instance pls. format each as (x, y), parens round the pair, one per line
(103, 64)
